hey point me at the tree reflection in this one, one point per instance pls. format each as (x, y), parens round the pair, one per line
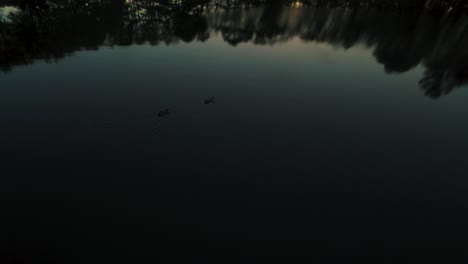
(406, 34)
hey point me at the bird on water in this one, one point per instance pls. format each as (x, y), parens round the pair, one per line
(163, 113)
(209, 100)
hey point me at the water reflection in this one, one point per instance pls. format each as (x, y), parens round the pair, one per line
(431, 33)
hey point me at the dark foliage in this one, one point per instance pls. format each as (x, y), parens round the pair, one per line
(406, 34)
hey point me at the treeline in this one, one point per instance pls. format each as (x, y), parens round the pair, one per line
(51, 30)
(420, 4)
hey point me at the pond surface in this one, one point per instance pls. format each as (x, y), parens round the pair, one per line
(290, 130)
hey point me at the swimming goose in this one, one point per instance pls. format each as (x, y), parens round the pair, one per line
(209, 100)
(163, 113)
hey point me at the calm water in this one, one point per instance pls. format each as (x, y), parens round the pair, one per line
(334, 133)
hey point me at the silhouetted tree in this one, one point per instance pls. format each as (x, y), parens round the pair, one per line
(407, 34)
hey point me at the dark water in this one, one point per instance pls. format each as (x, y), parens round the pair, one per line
(335, 133)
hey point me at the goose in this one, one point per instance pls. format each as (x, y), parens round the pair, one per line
(163, 113)
(209, 100)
